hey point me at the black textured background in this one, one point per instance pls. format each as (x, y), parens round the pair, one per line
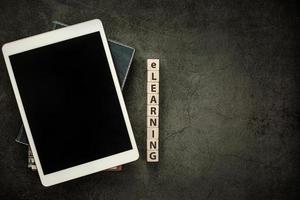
(229, 125)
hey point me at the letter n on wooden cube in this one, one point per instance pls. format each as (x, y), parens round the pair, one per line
(152, 122)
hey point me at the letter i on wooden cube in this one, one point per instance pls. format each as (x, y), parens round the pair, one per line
(152, 133)
(152, 110)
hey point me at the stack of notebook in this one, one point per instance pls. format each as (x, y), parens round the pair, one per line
(122, 56)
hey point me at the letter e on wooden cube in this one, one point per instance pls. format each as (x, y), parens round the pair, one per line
(153, 64)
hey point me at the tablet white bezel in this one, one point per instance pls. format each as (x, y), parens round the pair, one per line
(54, 37)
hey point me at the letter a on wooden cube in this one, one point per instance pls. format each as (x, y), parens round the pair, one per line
(152, 99)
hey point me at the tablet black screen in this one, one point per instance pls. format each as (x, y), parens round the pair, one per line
(70, 102)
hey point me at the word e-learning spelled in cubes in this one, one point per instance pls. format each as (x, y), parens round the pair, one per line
(153, 110)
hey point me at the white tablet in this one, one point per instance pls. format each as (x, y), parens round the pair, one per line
(70, 102)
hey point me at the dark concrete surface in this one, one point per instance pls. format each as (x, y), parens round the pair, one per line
(229, 100)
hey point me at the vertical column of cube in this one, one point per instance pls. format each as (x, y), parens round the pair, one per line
(152, 110)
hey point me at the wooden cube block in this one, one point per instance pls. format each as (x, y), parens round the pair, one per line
(152, 156)
(152, 88)
(153, 76)
(152, 144)
(152, 110)
(152, 133)
(153, 64)
(152, 122)
(152, 99)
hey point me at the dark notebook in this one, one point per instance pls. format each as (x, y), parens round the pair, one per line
(122, 56)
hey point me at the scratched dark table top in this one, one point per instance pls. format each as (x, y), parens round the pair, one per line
(229, 102)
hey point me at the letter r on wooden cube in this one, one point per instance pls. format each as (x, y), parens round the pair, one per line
(152, 110)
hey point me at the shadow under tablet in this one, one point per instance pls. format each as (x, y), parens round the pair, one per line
(122, 56)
